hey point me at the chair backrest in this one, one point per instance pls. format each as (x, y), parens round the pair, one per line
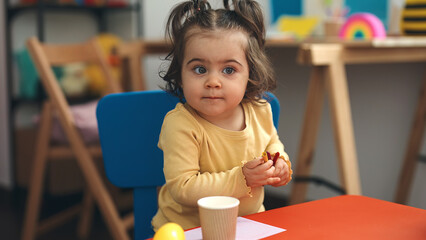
(45, 56)
(129, 127)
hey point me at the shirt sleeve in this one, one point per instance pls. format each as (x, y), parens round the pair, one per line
(180, 141)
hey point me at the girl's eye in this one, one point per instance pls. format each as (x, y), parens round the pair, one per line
(228, 70)
(200, 70)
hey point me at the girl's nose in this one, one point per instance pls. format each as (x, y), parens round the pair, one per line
(213, 82)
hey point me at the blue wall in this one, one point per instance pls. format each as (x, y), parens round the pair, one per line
(285, 7)
(376, 7)
(295, 7)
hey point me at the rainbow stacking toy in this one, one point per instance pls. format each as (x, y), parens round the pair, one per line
(362, 26)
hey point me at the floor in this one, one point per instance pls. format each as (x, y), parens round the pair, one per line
(12, 205)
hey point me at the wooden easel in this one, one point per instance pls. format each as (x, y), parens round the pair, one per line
(328, 75)
(413, 149)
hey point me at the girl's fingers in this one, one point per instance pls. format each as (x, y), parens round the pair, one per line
(273, 180)
(283, 180)
(270, 171)
(265, 173)
(254, 163)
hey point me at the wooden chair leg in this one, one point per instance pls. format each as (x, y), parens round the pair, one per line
(343, 130)
(86, 217)
(96, 185)
(310, 127)
(413, 149)
(104, 200)
(38, 169)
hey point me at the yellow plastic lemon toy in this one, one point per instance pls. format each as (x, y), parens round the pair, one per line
(170, 231)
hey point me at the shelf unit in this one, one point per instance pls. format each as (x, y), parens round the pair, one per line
(41, 8)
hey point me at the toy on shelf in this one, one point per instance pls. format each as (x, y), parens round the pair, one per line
(96, 81)
(299, 27)
(362, 26)
(413, 18)
(332, 26)
(26, 2)
(117, 3)
(74, 80)
(109, 3)
(68, 2)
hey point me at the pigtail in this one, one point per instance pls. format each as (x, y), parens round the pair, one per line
(183, 13)
(251, 15)
(201, 5)
(178, 14)
(181, 18)
(174, 27)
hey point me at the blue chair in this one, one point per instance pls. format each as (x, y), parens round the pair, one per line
(129, 126)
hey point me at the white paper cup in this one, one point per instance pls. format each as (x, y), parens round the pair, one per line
(218, 217)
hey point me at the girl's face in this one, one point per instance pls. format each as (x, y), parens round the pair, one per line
(215, 73)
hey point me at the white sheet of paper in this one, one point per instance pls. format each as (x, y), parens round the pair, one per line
(246, 229)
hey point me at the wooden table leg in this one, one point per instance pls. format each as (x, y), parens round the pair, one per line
(313, 110)
(343, 127)
(413, 149)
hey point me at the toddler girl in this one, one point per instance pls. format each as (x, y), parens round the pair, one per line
(213, 140)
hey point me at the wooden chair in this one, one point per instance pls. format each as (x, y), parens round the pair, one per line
(129, 137)
(45, 56)
(132, 55)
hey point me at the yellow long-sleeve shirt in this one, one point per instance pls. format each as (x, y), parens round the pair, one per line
(201, 159)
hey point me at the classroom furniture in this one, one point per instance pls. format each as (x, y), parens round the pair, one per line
(348, 217)
(412, 152)
(329, 76)
(41, 8)
(41, 11)
(57, 108)
(129, 128)
(132, 54)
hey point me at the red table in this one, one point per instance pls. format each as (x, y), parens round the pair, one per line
(346, 217)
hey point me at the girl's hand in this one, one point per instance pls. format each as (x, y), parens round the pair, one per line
(282, 171)
(258, 173)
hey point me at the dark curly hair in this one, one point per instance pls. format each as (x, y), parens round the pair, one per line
(243, 15)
